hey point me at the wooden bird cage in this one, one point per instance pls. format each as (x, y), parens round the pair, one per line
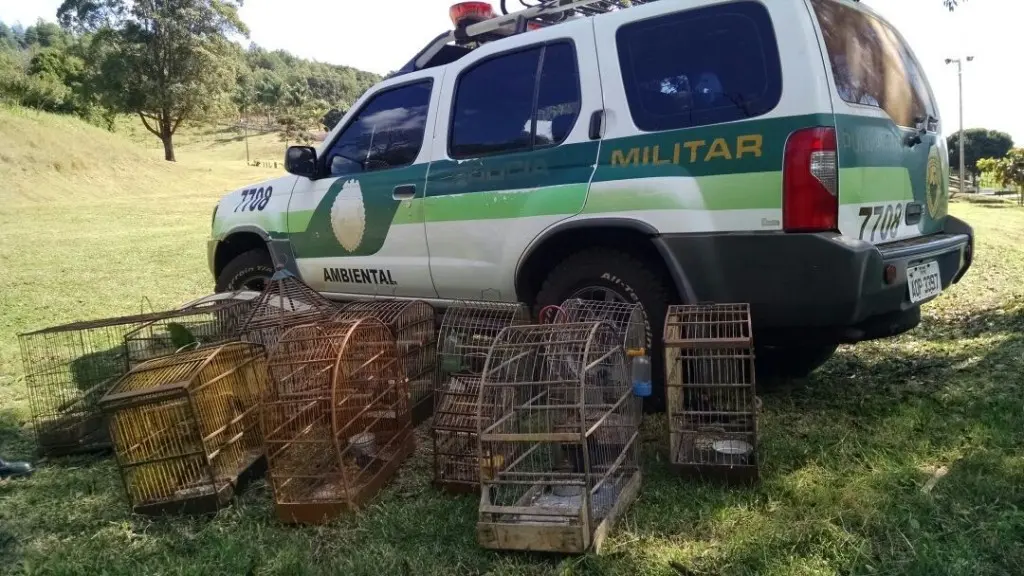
(559, 437)
(285, 302)
(336, 419)
(712, 403)
(413, 323)
(67, 370)
(210, 321)
(627, 319)
(467, 331)
(185, 428)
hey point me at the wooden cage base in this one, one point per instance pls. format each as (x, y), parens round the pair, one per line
(324, 512)
(719, 474)
(210, 502)
(535, 537)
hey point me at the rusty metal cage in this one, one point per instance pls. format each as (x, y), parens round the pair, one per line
(413, 323)
(559, 437)
(711, 394)
(185, 428)
(67, 370)
(467, 331)
(336, 419)
(626, 318)
(216, 319)
(286, 301)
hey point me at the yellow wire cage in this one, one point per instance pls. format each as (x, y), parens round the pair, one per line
(185, 428)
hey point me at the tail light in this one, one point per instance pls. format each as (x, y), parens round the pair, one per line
(466, 13)
(810, 181)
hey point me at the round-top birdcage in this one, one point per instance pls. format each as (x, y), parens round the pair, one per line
(558, 433)
(467, 331)
(286, 301)
(627, 319)
(412, 322)
(336, 419)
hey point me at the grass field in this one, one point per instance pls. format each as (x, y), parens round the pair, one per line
(91, 222)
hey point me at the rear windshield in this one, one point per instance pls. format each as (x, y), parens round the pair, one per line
(871, 64)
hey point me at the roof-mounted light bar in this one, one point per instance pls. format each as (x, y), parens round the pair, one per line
(467, 29)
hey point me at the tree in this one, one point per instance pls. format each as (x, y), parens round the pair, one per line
(1007, 170)
(167, 60)
(331, 119)
(978, 143)
(951, 4)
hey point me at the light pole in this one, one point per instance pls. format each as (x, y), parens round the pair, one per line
(960, 138)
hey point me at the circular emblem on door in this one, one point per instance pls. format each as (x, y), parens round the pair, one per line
(936, 196)
(348, 216)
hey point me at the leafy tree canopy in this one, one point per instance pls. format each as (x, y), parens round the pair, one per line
(978, 143)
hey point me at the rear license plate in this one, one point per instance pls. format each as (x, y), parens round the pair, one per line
(924, 281)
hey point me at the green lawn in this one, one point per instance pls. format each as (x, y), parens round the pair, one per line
(91, 222)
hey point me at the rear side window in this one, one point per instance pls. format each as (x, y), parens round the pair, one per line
(871, 65)
(520, 101)
(700, 67)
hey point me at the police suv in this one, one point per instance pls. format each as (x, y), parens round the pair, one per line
(784, 153)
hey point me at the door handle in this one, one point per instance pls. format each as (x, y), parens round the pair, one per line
(404, 192)
(596, 125)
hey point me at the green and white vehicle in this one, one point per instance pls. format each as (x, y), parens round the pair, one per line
(784, 153)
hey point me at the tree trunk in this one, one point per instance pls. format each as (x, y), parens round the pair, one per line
(166, 135)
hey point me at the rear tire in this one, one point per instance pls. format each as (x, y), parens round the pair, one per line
(778, 363)
(629, 278)
(248, 271)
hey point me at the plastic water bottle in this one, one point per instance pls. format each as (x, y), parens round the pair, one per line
(641, 369)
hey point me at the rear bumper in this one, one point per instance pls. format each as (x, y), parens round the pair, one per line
(812, 287)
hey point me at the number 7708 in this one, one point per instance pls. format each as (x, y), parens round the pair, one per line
(886, 217)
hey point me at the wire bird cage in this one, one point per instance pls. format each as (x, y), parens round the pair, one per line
(413, 323)
(285, 302)
(336, 419)
(626, 318)
(467, 331)
(712, 403)
(210, 321)
(185, 428)
(559, 438)
(67, 370)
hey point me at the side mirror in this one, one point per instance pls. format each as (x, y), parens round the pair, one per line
(300, 161)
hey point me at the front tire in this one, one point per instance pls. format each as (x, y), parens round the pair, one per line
(629, 279)
(248, 271)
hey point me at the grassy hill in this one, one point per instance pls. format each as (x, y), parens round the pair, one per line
(92, 222)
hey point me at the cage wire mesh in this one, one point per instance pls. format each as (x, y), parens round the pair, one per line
(185, 427)
(712, 402)
(336, 419)
(468, 329)
(413, 324)
(285, 302)
(67, 370)
(558, 429)
(209, 321)
(626, 318)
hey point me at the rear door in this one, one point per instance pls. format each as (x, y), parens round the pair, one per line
(512, 156)
(894, 171)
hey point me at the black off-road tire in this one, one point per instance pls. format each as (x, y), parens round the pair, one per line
(776, 364)
(244, 269)
(630, 277)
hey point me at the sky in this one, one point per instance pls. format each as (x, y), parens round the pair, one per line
(382, 35)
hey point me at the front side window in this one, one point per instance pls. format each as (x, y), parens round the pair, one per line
(699, 67)
(387, 132)
(871, 65)
(514, 102)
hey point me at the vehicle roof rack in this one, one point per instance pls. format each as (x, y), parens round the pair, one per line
(457, 43)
